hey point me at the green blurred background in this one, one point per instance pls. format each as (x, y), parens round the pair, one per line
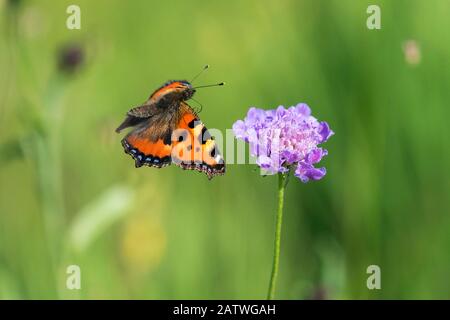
(69, 195)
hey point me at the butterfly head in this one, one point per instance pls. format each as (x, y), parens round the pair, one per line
(186, 90)
(180, 90)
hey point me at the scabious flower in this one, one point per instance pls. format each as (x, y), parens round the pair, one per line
(282, 139)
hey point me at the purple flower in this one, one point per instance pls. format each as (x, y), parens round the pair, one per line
(283, 138)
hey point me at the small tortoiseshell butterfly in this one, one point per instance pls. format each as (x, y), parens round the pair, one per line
(167, 130)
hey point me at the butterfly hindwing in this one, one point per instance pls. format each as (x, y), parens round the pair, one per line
(149, 144)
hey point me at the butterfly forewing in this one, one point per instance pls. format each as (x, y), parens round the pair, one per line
(193, 146)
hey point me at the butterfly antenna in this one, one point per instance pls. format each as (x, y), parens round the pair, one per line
(198, 74)
(211, 85)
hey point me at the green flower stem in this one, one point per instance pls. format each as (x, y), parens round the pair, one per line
(282, 181)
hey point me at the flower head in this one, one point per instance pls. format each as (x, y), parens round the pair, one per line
(70, 58)
(282, 139)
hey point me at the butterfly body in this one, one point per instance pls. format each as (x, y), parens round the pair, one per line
(167, 130)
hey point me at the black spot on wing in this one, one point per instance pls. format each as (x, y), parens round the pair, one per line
(180, 135)
(205, 136)
(193, 122)
(168, 138)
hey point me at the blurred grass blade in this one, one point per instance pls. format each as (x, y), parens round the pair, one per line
(8, 286)
(98, 215)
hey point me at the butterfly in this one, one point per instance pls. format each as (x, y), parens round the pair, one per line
(167, 130)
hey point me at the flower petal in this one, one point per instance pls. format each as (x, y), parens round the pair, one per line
(303, 109)
(239, 129)
(308, 172)
(325, 131)
(316, 155)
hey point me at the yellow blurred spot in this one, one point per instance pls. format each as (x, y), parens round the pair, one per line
(143, 244)
(33, 22)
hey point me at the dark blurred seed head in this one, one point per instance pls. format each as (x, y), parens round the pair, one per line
(70, 58)
(14, 3)
(319, 293)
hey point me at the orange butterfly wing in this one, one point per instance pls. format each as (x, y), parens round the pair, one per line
(187, 144)
(193, 146)
(147, 151)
